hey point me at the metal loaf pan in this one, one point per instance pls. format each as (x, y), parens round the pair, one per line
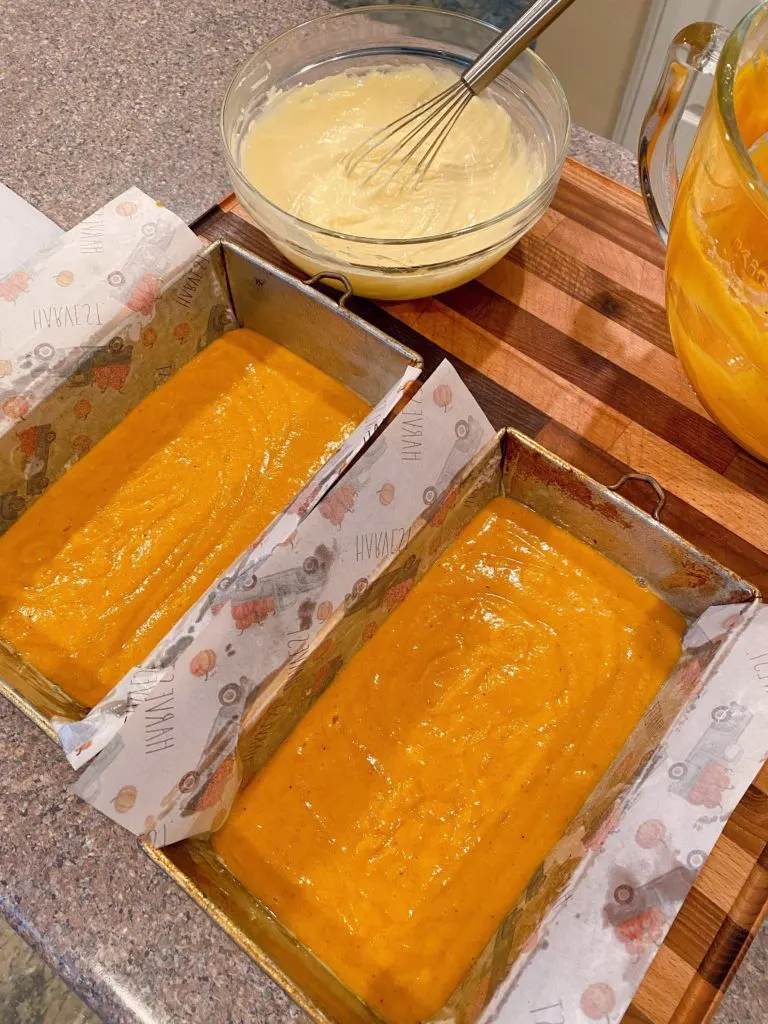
(226, 287)
(517, 467)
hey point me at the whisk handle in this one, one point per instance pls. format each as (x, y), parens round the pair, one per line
(511, 43)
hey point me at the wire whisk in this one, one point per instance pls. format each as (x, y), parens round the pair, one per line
(409, 145)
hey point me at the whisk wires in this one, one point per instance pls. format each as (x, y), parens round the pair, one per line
(416, 138)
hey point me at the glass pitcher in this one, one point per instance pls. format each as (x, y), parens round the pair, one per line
(715, 223)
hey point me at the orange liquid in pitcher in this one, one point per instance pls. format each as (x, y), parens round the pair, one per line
(717, 267)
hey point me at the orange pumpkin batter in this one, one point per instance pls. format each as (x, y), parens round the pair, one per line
(717, 266)
(407, 811)
(99, 569)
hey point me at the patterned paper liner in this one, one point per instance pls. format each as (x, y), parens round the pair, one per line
(638, 867)
(141, 300)
(171, 769)
(74, 355)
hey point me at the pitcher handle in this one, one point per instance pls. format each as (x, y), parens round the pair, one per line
(695, 51)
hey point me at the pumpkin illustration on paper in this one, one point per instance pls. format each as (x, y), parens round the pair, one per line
(145, 294)
(247, 613)
(710, 784)
(650, 834)
(181, 331)
(386, 494)
(442, 396)
(598, 1001)
(15, 407)
(324, 611)
(81, 443)
(125, 799)
(203, 663)
(397, 593)
(126, 209)
(64, 278)
(337, 503)
(642, 931)
(82, 409)
(148, 337)
(370, 629)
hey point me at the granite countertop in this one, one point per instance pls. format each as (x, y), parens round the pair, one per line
(97, 97)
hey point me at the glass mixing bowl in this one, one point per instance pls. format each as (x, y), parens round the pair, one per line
(396, 268)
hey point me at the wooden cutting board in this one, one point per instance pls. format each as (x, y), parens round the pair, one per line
(566, 339)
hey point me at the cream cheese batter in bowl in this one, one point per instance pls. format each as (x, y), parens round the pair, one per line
(310, 97)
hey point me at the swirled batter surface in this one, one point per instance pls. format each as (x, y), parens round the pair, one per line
(407, 811)
(97, 571)
(295, 150)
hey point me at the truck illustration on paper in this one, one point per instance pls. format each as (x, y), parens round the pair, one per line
(664, 892)
(33, 448)
(213, 760)
(138, 282)
(254, 598)
(704, 775)
(468, 434)
(106, 367)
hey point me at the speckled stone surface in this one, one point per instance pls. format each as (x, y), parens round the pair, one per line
(100, 96)
(81, 892)
(96, 97)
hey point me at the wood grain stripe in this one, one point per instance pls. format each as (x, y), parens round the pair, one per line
(593, 289)
(697, 1002)
(724, 876)
(515, 371)
(691, 933)
(729, 505)
(603, 206)
(731, 938)
(748, 825)
(608, 257)
(663, 986)
(609, 339)
(635, 1016)
(611, 384)
(747, 472)
(749, 907)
